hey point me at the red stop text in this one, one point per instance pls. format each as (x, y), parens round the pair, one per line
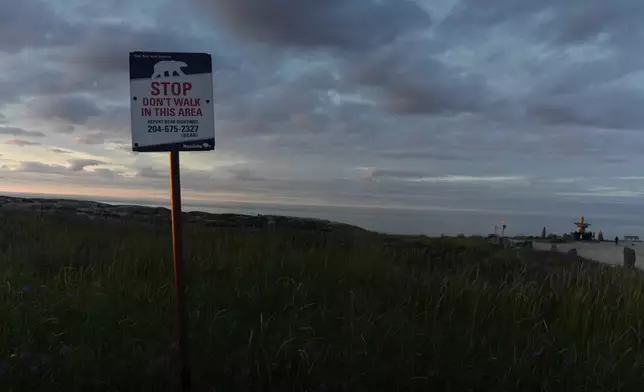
(170, 88)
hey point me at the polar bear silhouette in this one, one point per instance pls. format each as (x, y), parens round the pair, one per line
(168, 66)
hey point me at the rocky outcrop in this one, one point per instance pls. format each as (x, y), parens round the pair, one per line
(95, 210)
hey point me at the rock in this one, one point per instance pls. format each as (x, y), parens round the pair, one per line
(572, 252)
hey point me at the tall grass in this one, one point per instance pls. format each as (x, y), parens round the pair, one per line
(88, 306)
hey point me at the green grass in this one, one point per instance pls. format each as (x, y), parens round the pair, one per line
(88, 306)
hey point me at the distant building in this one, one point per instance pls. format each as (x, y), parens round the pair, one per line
(631, 238)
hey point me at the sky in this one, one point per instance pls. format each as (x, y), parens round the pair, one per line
(450, 111)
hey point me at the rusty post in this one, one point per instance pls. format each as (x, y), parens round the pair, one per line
(177, 257)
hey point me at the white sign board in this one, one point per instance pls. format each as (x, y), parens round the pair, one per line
(171, 100)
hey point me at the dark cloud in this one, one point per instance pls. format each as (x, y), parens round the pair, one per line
(276, 110)
(569, 57)
(21, 143)
(101, 53)
(77, 165)
(60, 151)
(90, 139)
(415, 83)
(95, 57)
(479, 15)
(75, 109)
(561, 23)
(429, 153)
(614, 159)
(113, 121)
(150, 172)
(125, 147)
(15, 131)
(39, 167)
(579, 21)
(104, 48)
(49, 80)
(64, 128)
(301, 105)
(375, 173)
(75, 168)
(580, 77)
(337, 24)
(506, 96)
(106, 173)
(194, 180)
(243, 173)
(380, 50)
(600, 108)
(32, 24)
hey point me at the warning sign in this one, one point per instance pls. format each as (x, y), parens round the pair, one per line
(171, 102)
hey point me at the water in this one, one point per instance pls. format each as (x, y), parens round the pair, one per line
(436, 222)
(614, 218)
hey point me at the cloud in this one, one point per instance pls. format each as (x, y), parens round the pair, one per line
(125, 147)
(473, 179)
(60, 151)
(483, 105)
(65, 128)
(18, 30)
(335, 24)
(105, 47)
(413, 82)
(150, 172)
(381, 44)
(243, 173)
(573, 22)
(375, 173)
(38, 167)
(106, 173)
(114, 120)
(49, 80)
(556, 62)
(92, 59)
(15, 131)
(424, 154)
(74, 109)
(601, 108)
(425, 177)
(100, 54)
(581, 21)
(21, 143)
(77, 165)
(90, 139)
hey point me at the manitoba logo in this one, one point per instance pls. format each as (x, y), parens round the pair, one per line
(197, 146)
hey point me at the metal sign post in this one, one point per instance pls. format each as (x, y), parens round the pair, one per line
(172, 110)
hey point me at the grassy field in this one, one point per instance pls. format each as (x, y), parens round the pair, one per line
(88, 306)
